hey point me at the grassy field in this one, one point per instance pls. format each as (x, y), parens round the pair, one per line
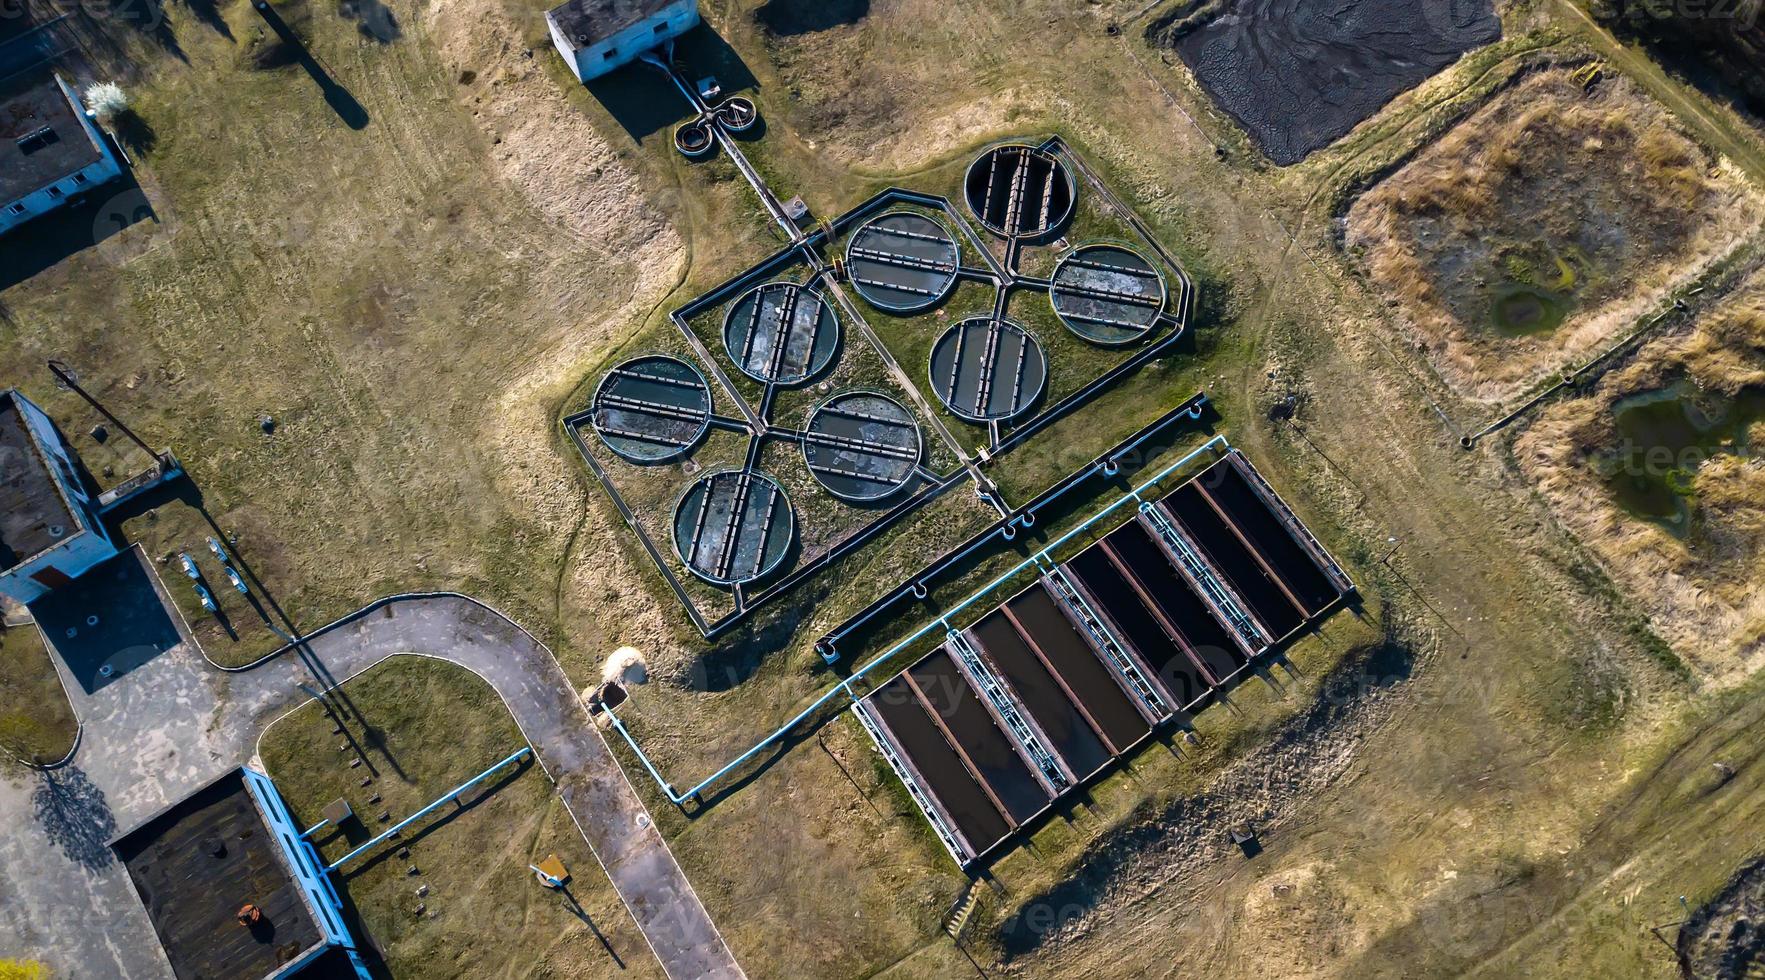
(1655, 470)
(419, 728)
(1489, 765)
(36, 722)
(1541, 227)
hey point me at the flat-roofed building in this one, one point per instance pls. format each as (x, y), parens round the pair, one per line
(597, 36)
(234, 890)
(50, 530)
(51, 152)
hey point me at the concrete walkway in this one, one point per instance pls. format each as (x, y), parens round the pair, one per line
(176, 722)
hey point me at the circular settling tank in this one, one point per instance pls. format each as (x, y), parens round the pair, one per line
(733, 526)
(694, 139)
(1107, 294)
(987, 369)
(652, 409)
(1018, 191)
(781, 333)
(862, 446)
(902, 262)
(737, 114)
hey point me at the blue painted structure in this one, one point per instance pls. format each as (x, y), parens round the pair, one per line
(309, 873)
(519, 755)
(596, 36)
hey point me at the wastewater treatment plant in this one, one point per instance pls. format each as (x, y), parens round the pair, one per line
(644, 488)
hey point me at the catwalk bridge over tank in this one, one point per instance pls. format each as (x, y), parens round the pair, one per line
(785, 426)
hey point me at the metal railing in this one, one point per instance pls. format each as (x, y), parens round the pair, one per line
(1006, 705)
(1103, 639)
(1202, 572)
(520, 755)
(1036, 560)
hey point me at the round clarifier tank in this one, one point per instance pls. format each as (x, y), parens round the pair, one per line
(1019, 191)
(902, 262)
(737, 114)
(694, 140)
(1107, 294)
(733, 527)
(988, 369)
(862, 446)
(781, 333)
(652, 409)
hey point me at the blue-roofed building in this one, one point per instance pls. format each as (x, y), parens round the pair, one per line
(51, 152)
(50, 526)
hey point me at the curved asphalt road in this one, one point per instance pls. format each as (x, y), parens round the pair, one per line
(170, 725)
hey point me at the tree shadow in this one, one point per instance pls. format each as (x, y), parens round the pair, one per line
(208, 13)
(136, 134)
(148, 17)
(75, 816)
(373, 19)
(790, 18)
(336, 96)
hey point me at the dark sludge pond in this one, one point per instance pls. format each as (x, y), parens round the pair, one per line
(1664, 436)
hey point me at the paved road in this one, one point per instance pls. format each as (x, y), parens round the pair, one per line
(176, 722)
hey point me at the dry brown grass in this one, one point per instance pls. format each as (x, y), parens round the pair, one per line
(1598, 196)
(1706, 598)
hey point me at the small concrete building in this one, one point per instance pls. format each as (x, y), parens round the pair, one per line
(597, 36)
(50, 531)
(234, 889)
(51, 152)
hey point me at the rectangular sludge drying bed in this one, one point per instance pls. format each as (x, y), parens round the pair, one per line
(1042, 693)
(1077, 669)
(1071, 658)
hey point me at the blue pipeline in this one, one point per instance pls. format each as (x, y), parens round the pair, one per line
(942, 623)
(520, 755)
(1108, 465)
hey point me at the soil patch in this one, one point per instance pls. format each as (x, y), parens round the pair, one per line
(1542, 226)
(1299, 75)
(1260, 792)
(1658, 471)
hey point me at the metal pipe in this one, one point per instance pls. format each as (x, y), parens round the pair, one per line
(518, 756)
(942, 622)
